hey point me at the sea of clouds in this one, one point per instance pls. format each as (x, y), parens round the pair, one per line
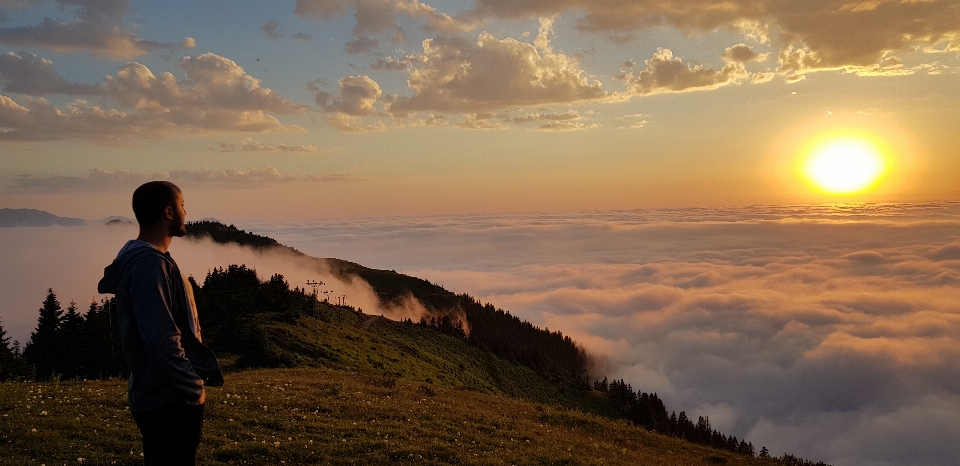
(831, 332)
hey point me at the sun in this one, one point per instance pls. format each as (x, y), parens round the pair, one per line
(844, 165)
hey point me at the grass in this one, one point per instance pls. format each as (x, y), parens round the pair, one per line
(332, 416)
(346, 340)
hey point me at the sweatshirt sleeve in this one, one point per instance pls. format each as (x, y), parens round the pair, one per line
(152, 300)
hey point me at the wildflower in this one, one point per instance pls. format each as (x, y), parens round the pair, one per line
(33, 430)
(80, 460)
(276, 444)
(43, 413)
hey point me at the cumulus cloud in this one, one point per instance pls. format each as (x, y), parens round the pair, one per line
(379, 17)
(98, 28)
(33, 75)
(250, 145)
(666, 73)
(218, 95)
(742, 53)
(839, 33)
(830, 332)
(456, 76)
(98, 179)
(358, 94)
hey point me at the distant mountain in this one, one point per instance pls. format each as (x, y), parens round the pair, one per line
(114, 220)
(12, 218)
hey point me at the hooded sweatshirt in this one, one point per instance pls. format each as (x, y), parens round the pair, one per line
(159, 331)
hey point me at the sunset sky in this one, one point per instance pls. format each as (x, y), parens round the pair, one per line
(354, 108)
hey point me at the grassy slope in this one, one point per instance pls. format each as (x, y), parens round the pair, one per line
(376, 392)
(346, 340)
(332, 416)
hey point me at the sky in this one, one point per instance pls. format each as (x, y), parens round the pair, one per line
(356, 108)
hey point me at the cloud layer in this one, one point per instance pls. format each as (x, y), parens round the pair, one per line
(125, 180)
(826, 332)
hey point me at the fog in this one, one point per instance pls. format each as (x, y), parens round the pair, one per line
(70, 260)
(827, 332)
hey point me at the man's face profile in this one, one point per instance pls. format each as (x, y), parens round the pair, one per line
(177, 214)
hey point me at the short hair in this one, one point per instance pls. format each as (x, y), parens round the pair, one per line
(150, 200)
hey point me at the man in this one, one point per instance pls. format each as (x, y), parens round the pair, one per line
(160, 332)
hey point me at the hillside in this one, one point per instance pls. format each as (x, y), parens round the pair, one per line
(327, 416)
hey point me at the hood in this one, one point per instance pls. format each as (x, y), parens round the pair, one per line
(115, 271)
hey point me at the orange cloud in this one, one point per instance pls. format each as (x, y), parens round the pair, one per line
(455, 76)
(218, 95)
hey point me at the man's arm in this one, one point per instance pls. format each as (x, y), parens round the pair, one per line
(153, 302)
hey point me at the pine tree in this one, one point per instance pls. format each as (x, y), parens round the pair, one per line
(44, 347)
(764, 453)
(6, 355)
(69, 362)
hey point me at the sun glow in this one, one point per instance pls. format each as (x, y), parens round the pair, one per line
(844, 165)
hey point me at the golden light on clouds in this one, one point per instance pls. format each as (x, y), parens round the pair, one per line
(845, 165)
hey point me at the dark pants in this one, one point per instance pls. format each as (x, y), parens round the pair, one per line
(171, 434)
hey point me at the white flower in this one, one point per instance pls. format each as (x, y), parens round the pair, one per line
(43, 413)
(276, 444)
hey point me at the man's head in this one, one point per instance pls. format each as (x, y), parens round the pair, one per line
(159, 204)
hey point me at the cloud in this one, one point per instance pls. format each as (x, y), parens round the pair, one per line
(742, 53)
(824, 331)
(391, 64)
(482, 121)
(33, 75)
(666, 73)
(98, 28)
(379, 17)
(302, 36)
(102, 180)
(839, 33)
(566, 126)
(249, 145)
(354, 124)
(566, 116)
(358, 94)
(271, 28)
(218, 95)
(453, 75)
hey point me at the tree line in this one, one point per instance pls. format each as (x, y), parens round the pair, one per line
(66, 344)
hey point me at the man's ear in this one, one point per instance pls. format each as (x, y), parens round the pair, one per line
(168, 212)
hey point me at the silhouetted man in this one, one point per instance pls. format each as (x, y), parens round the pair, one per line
(160, 331)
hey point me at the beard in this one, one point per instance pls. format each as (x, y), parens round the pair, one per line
(178, 231)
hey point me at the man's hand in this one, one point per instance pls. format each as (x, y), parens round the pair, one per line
(202, 400)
